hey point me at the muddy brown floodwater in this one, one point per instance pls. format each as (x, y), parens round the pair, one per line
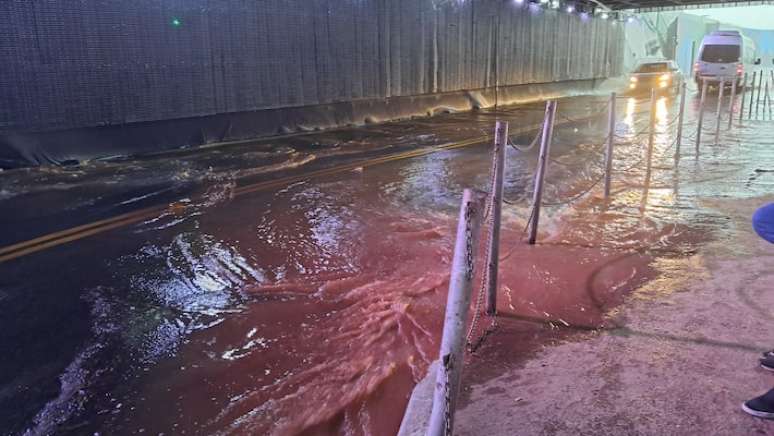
(313, 307)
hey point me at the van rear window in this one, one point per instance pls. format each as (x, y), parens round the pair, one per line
(720, 53)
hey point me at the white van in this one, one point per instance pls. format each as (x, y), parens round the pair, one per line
(721, 56)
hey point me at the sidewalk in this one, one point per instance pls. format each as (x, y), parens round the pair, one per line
(679, 359)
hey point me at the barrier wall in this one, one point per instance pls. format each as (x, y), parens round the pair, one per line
(91, 63)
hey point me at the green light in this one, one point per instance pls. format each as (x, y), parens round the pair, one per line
(176, 22)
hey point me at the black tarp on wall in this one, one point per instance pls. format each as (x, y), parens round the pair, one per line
(90, 63)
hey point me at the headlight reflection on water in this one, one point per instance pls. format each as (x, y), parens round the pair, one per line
(662, 112)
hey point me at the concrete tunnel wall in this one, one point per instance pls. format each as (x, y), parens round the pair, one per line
(187, 72)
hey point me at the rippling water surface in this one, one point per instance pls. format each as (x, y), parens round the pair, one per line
(314, 306)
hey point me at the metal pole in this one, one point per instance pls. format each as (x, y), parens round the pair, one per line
(765, 95)
(769, 94)
(610, 141)
(493, 254)
(700, 121)
(752, 93)
(652, 132)
(766, 108)
(680, 119)
(758, 100)
(744, 94)
(772, 79)
(719, 115)
(766, 100)
(731, 103)
(457, 307)
(545, 146)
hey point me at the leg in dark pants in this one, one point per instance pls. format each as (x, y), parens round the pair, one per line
(763, 406)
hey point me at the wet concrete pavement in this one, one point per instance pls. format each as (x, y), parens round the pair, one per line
(231, 303)
(679, 355)
(677, 358)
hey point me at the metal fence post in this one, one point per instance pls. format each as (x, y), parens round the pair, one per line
(680, 120)
(545, 147)
(766, 100)
(769, 93)
(700, 121)
(744, 94)
(609, 148)
(493, 253)
(652, 132)
(771, 74)
(731, 103)
(758, 98)
(457, 307)
(752, 94)
(765, 94)
(719, 114)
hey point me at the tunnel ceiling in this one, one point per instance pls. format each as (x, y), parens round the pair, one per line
(664, 5)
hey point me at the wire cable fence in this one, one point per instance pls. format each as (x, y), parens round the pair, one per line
(527, 148)
(594, 114)
(478, 228)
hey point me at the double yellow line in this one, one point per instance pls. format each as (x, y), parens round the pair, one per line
(83, 231)
(75, 233)
(57, 238)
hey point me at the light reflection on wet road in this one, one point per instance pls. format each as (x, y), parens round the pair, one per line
(315, 307)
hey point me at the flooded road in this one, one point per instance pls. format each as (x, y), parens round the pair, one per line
(235, 305)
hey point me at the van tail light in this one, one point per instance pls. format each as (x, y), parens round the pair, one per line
(696, 67)
(739, 69)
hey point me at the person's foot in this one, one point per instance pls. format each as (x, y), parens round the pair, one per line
(767, 361)
(761, 407)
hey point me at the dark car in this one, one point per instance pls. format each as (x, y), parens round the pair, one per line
(664, 76)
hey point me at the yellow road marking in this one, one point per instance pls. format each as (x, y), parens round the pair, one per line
(74, 237)
(79, 232)
(69, 232)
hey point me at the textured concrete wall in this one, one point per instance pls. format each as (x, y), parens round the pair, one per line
(69, 64)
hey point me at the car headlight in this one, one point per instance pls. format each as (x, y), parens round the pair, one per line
(633, 79)
(665, 77)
